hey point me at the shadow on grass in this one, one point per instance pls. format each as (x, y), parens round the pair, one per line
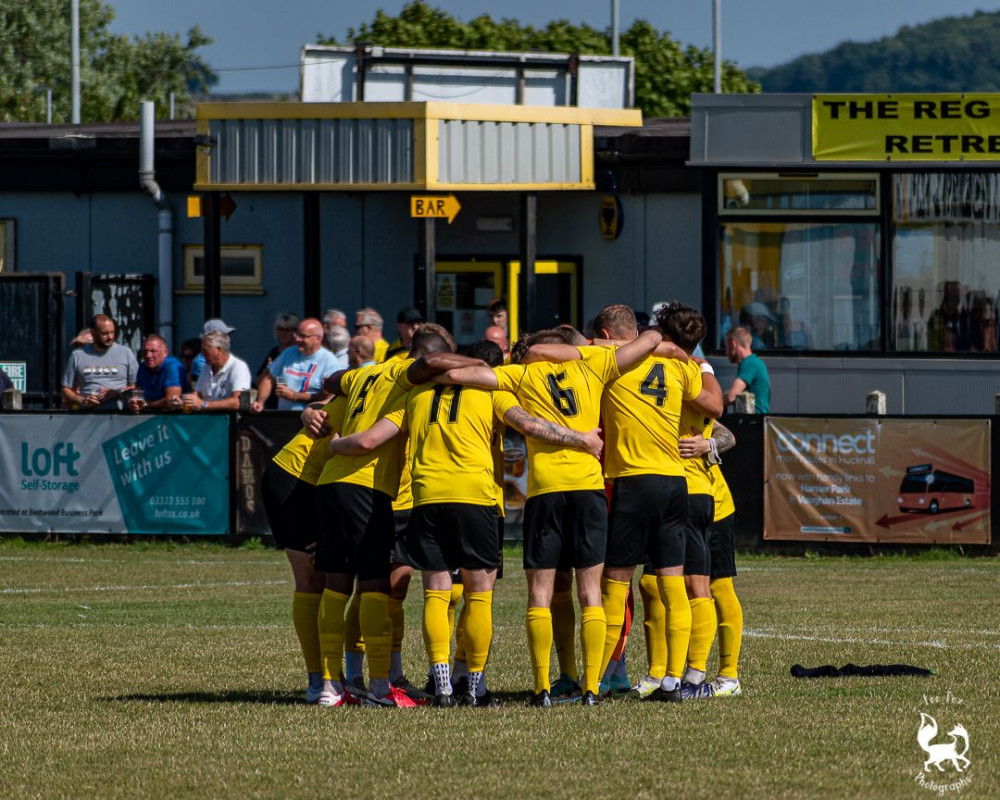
(271, 698)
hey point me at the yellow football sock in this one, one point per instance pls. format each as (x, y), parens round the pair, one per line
(398, 618)
(460, 631)
(478, 628)
(675, 599)
(703, 625)
(305, 617)
(331, 633)
(727, 604)
(538, 622)
(564, 632)
(376, 628)
(437, 639)
(614, 595)
(456, 594)
(353, 640)
(593, 632)
(655, 626)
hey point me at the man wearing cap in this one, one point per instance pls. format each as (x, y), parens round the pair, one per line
(296, 375)
(408, 322)
(98, 374)
(224, 377)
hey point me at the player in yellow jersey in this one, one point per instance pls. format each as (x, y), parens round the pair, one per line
(288, 488)
(641, 414)
(565, 516)
(455, 496)
(686, 323)
(354, 496)
(723, 563)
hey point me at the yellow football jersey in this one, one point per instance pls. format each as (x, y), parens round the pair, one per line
(372, 392)
(692, 423)
(641, 414)
(724, 505)
(567, 394)
(404, 498)
(451, 434)
(381, 348)
(303, 456)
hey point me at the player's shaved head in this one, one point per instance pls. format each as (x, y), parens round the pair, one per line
(616, 321)
(426, 342)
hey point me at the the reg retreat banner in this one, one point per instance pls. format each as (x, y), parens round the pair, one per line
(866, 480)
(96, 473)
(906, 127)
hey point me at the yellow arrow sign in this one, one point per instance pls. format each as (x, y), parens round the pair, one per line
(434, 206)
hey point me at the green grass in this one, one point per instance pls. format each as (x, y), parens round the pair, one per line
(173, 671)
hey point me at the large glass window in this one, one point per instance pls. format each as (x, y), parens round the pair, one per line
(801, 285)
(946, 262)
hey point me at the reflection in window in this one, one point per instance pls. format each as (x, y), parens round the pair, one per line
(946, 248)
(768, 193)
(801, 286)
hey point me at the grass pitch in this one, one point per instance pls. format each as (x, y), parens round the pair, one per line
(160, 670)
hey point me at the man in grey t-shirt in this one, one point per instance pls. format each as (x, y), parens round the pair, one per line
(96, 376)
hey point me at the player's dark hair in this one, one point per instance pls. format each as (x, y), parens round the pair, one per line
(558, 335)
(684, 325)
(519, 348)
(487, 351)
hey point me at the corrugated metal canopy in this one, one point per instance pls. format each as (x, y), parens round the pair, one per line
(399, 146)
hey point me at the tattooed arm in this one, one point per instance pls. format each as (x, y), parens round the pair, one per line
(695, 446)
(521, 421)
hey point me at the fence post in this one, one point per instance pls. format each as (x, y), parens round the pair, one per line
(876, 403)
(12, 400)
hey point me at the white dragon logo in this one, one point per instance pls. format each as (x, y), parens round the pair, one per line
(939, 753)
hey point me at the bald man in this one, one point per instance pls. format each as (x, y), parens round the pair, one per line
(498, 336)
(296, 375)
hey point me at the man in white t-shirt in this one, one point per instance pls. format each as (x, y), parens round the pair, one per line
(296, 375)
(222, 380)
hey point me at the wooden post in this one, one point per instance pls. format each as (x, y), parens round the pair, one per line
(12, 400)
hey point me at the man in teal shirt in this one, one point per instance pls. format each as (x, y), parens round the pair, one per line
(751, 371)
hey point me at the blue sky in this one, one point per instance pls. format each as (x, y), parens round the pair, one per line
(257, 42)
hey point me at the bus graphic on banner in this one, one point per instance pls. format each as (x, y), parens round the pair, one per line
(932, 490)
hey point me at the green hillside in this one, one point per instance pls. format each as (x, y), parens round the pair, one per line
(952, 54)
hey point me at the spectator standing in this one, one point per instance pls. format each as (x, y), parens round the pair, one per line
(408, 322)
(497, 335)
(222, 381)
(336, 340)
(296, 375)
(97, 374)
(161, 377)
(194, 373)
(190, 355)
(360, 352)
(285, 325)
(751, 371)
(497, 308)
(368, 323)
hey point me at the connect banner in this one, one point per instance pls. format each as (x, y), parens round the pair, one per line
(920, 481)
(96, 473)
(906, 127)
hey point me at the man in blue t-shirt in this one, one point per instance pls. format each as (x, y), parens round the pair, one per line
(296, 375)
(751, 372)
(161, 377)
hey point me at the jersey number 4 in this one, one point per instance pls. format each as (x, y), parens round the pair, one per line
(655, 385)
(562, 398)
(436, 403)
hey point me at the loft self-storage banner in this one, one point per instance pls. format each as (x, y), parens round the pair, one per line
(906, 127)
(920, 481)
(97, 473)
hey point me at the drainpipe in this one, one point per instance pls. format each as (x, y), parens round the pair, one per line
(147, 179)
